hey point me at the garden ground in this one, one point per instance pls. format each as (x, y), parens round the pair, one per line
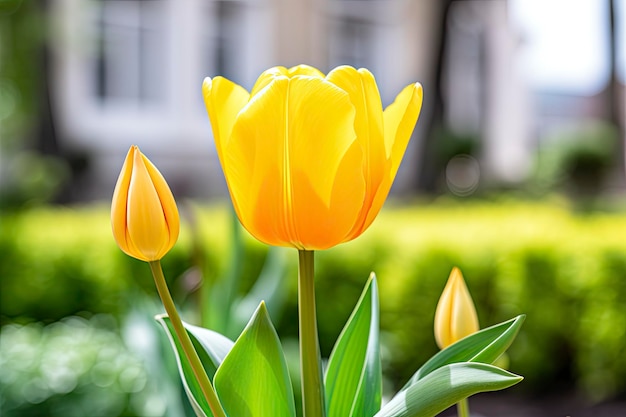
(570, 405)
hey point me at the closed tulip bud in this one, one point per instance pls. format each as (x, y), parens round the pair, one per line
(144, 216)
(455, 317)
(309, 158)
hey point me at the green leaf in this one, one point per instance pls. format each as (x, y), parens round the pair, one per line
(484, 346)
(354, 378)
(212, 348)
(253, 379)
(446, 386)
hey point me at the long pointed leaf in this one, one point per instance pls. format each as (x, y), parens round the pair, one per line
(446, 386)
(211, 346)
(253, 379)
(353, 379)
(484, 346)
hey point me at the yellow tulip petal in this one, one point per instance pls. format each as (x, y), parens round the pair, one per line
(261, 209)
(120, 198)
(146, 225)
(306, 70)
(320, 224)
(399, 120)
(361, 87)
(288, 144)
(465, 319)
(320, 131)
(443, 317)
(368, 122)
(168, 204)
(223, 99)
(267, 77)
(311, 223)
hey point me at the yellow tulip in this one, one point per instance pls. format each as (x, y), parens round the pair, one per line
(309, 159)
(455, 316)
(144, 216)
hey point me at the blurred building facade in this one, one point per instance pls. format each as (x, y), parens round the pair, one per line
(130, 71)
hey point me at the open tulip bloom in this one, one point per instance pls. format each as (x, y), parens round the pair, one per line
(309, 160)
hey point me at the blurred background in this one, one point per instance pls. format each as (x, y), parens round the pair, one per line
(515, 173)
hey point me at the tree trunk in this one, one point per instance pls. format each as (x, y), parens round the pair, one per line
(427, 167)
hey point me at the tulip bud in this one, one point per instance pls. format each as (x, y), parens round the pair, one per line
(455, 317)
(144, 216)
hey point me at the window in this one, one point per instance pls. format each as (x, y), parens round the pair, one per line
(130, 64)
(353, 42)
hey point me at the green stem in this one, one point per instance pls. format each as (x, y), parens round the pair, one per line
(310, 362)
(185, 341)
(462, 408)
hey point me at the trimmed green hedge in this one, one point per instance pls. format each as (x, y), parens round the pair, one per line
(567, 272)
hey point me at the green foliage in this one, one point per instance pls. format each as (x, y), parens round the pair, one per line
(537, 259)
(486, 346)
(446, 386)
(353, 380)
(252, 378)
(59, 262)
(26, 178)
(578, 160)
(565, 271)
(73, 368)
(250, 375)
(211, 347)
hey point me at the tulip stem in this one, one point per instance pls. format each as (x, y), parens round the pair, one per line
(310, 359)
(462, 408)
(185, 341)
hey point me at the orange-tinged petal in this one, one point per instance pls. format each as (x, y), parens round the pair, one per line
(368, 122)
(168, 204)
(119, 201)
(399, 120)
(361, 86)
(455, 317)
(320, 224)
(147, 228)
(443, 317)
(286, 148)
(223, 99)
(320, 131)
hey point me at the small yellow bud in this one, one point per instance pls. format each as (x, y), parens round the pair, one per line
(455, 316)
(144, 216)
